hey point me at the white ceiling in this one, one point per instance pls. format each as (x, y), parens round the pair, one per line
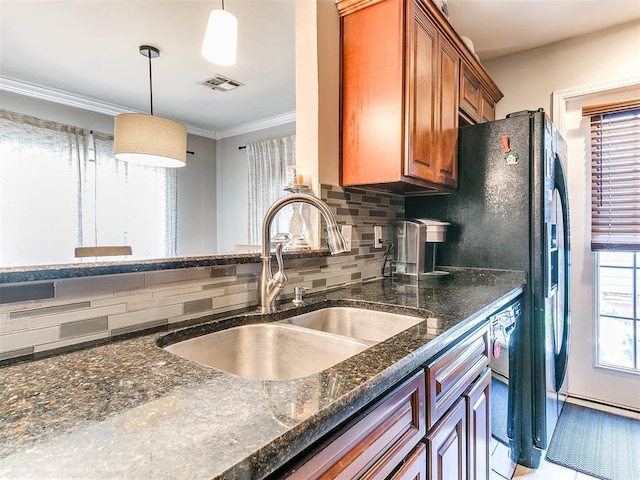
(89, 48)
(501, 27)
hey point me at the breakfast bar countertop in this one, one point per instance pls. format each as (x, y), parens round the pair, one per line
(129, 409)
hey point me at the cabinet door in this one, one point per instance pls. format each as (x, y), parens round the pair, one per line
(414, 467)
(422, 96)
(372, 112)
(479, 427)
(488, 109)
(432, 96)
(470, 93)
(447, 111)
(447, 446)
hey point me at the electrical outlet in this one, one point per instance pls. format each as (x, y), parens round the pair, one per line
(377, 236)
(346, 233)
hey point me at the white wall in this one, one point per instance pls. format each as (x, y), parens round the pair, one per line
(528, 80)
(232, 185)
(197, 208)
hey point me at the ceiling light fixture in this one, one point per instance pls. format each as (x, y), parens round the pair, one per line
(221, 38)
(148, 139)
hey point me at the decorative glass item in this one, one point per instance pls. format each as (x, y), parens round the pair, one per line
(298, 226)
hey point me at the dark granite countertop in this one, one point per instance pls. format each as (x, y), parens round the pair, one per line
(34, 273)
(131, 410)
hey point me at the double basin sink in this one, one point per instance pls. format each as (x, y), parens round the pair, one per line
(295, 347)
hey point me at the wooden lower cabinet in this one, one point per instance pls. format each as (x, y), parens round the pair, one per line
(447, 445)
(458, 411)
(433, 425)
(458, 446)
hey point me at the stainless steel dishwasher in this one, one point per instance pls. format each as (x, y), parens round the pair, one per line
(503, 331)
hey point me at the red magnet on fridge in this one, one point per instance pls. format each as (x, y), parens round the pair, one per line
(510, 157)
(506, 148)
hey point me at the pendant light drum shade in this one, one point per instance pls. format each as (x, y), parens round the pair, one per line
(150, 140)
(221, 38)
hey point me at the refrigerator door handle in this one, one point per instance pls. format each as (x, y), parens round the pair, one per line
(562, 357)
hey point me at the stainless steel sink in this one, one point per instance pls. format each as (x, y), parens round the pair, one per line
(272, 351)
(357, 323)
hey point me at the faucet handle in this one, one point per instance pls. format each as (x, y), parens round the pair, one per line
(279, 278)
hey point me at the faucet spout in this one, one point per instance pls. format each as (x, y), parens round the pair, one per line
(270, 285)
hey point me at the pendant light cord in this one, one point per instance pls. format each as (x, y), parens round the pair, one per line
(150, 83)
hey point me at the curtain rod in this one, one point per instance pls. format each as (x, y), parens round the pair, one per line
(242, 147)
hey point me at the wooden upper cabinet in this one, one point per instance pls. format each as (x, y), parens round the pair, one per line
(402, 67)
(476, 104)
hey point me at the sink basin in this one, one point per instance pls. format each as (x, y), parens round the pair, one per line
(272, 351)
(357, 323)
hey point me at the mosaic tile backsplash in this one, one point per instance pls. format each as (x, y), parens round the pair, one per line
(38, 317)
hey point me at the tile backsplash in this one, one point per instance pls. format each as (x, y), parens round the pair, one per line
(37, 317)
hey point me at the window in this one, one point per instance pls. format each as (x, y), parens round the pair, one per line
(61, 188)
(615, 230)
(268, 163)
(618, 307)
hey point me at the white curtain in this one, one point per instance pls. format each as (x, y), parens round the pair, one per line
(60, 188)
(268, 162)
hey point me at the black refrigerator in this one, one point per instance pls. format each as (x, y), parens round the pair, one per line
(510, 212)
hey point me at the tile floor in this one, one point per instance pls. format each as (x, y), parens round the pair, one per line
(502, 468)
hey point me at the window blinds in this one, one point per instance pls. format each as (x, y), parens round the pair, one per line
(615, 175)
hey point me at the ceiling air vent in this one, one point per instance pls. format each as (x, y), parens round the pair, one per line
(220, 82)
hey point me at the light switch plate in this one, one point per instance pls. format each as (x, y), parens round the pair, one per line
(346, 233)
(377, 236)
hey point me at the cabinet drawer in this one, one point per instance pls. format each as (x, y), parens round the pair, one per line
(449, 375)
(376, 443)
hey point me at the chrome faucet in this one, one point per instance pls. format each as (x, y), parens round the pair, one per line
(270, 286)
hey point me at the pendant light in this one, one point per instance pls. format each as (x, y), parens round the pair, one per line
(221, 38)
(149, 139)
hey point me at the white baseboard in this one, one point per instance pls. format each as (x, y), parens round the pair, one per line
(617, 410)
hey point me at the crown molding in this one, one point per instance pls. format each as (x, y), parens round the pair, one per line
(58, 96)
(48, 94)
(258, 125)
